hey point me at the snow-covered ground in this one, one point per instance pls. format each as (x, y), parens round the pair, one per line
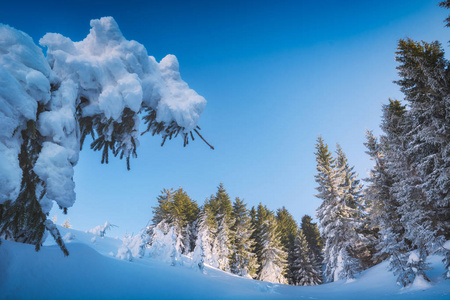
(92, 271)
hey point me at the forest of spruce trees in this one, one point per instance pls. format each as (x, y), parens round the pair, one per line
(256, 242)
(402, 213)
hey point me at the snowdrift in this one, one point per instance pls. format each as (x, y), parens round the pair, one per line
(92, 271)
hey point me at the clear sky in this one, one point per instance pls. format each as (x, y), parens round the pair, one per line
(276, 74)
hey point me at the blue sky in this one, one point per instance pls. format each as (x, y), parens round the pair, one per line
(276, 74)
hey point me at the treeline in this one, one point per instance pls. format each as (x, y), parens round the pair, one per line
(256, 243)
(403, 213)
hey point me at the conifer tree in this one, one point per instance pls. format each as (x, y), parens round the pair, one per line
(51, 114)
(315, 243)
(304, 270)
(287, 229)
(178, 210)
(425, 198)
(243, 260)
(222, 247)
(384, 216)
(261, 214)
(272, 256)
(337, 214)
(206, 229)
(24, 220)
(355, 211)
(313, 238)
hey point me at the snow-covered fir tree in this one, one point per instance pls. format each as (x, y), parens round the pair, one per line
(177, 210)
(272, 256)
(243, 260)
(338, 214)
(206, 229)
(51, 104)
(257, 217)
(134, 246)
(166, 244)
(383, 206)
(304, 268)
(198, 255)
(356, 212)
(287, 229)
(315, 243)
(425, 194)
(220, 206)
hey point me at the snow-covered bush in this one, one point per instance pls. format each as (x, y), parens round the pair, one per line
(133, 246)
(100, 230)
(166, 244)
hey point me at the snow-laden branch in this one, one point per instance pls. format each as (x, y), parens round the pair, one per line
(97, 87)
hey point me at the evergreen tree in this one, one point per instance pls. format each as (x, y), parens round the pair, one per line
(312, 236)
(425, 197)
(178, 210)
(206, 229)
(272, 256)
(315, 243)
(338, 214)
(287, 229)
(165, 244)
(260, 216)
(25, 220)
(304, 270)
(243, 260)
(383, 206)
(222, 209)
(355, 211)
(51, 115)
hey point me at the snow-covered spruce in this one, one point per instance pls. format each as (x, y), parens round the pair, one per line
(100, 230)
(304, 271)
(48, 105)
(165, 244)
(243, 260)
(339, 214)
(272, 256)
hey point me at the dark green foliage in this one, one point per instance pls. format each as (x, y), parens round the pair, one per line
(179, 210)
(175, 207)
(446, 4)
(303, 267)
(287, 230)
(168, 131)
(243, 260)
(221, 202)
(23, 220)
(273, 258)
(262, 215)
(117, 137)
(313, 238)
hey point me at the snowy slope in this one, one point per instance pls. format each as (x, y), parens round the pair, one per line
(92, 272)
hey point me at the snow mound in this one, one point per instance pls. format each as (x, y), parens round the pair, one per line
(90, 271)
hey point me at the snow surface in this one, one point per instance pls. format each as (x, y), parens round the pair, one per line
(92, 271)
(447, 245)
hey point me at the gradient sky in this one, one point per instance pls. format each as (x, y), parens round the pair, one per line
(276, 74)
